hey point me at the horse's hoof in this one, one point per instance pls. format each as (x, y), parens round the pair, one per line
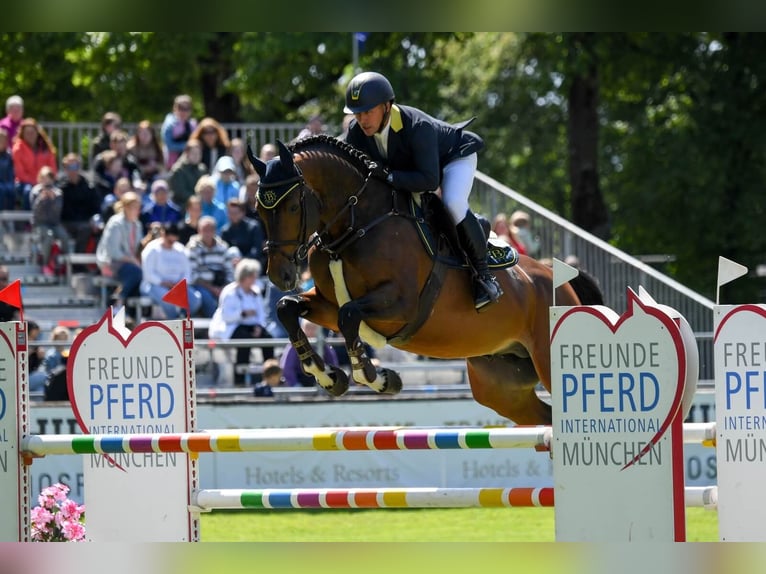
(339, 382)
(393, 384)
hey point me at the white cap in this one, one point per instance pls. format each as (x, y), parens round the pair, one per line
(14, 101)
(225, 162)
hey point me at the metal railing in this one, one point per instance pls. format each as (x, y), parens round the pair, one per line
(614, 269)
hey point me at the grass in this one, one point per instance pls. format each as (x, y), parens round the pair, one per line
(407, 525)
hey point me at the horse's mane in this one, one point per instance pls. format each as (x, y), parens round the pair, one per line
(355, 157)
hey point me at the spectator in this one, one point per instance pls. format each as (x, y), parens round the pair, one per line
(211, 264)
(240, 315)
(121, 187)
(521, 229)
(503, 231)
(7, 175)
(245, 234)
(177, 127)
(81, 201)
(7, 312)
(160, 207)
(189, 226)
(313, 128)
(47, 201)
(145, 150)
(268, 151)
(291, 364)
(186, 172)
(272, 377)
(36, 354)
(32, 150)
(110, 121)
(241, 164)
(205, 190)
(14, 109)
(164, 263)
(117, 251)
(225, 176)
(106, 172)
(54, 364)
(214, 139)
(248, 194)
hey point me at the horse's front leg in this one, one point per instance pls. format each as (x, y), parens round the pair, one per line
(363, 371)
(315, 308)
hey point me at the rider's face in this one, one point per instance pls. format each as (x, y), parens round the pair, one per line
(371, 121)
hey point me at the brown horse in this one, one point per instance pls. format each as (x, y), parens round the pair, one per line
(375, 281)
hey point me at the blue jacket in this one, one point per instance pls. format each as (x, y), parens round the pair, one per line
(7, 175)
(419, 146)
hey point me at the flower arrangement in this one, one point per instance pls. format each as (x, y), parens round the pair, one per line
(57, 518)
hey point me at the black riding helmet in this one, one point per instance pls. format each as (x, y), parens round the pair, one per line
(367, 90)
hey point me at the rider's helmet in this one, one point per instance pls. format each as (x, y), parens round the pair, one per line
(367, 90)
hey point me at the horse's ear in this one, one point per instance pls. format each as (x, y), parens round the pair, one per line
(285, 155)
(260, 167)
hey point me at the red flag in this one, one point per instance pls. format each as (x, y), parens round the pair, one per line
(179, 296)
(12, 296)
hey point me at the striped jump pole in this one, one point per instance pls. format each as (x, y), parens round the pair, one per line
(337, 498)
(315, 439)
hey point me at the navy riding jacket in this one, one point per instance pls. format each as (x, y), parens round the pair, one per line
(419, 146)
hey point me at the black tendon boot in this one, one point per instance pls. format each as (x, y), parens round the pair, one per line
(486, 289)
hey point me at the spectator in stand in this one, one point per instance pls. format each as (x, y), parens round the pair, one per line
(47, 201)
(7, 175)
(56, 356)
(160, 209)
(177, 127)
(268, 151)
(313, 128)
(503, 231)
(520, 227)
(145, 150)
(272, 377)
(205, 190)
(214, 139)
(35, 356)
(110, 121)
(186, 172)
(245, 234)
(107, 172)
(225, 176)
(14, 110)
(240, 315)
(164, 263)
(7, 312)
(32, 150)
(81, 201)
(189, 226)
(121, 187)
(247, 196)
(240, 162)
(117, 251)
(211, 263)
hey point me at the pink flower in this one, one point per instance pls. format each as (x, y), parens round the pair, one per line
(73, 531)
(70, 510)
(57, 519)
(41, 516)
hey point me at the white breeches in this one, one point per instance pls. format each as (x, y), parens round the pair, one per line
(457, 181)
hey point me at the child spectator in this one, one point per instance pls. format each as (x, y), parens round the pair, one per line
(272, 377)
(81, 201)
(177, 128)
(7, 175)
(225, 176)
(186, 172)
(160, 209)
(14, 109)
(205, 190)
(32, 150)
(214, 139)
(47, 201)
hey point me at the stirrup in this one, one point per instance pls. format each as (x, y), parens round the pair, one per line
(487, 292)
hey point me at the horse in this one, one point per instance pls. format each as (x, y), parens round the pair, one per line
(375, 282)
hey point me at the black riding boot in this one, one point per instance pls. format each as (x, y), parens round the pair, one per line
(486, 289)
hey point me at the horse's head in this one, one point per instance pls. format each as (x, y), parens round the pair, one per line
(290, 213)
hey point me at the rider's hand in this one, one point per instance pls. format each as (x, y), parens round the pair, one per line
(379, 172)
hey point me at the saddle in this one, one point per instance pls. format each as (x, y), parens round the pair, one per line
(439, 236)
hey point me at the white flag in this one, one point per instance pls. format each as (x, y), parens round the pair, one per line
(728, 270)
(562, 273)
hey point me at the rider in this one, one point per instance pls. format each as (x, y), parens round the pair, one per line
(420, 152)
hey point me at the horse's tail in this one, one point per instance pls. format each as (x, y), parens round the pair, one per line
(587, 289)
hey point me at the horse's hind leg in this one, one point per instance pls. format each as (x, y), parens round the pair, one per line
(362, 370)
(289, 310)
(506, 384)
